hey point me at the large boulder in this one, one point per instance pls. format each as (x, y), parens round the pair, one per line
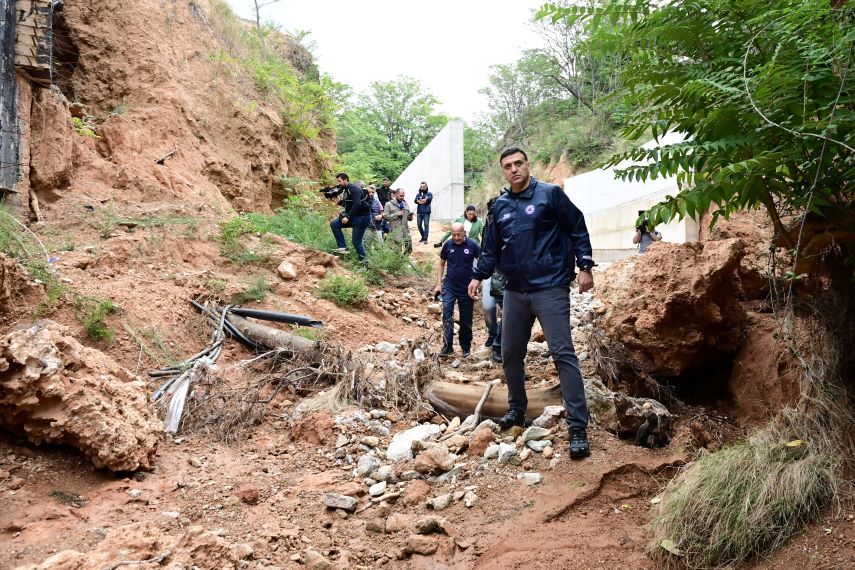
(678, 307)
(54, 389)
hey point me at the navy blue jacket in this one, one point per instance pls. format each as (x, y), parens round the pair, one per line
(533, 237)
(424, 208)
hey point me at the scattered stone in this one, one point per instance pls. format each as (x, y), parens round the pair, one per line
(530, 478)
(491, 452)
(469, 499)
(480, 440)
(551, 417)
(366, 465)
(386, 347)
(447, 476)
(421, 544)
(377, 489)
(457, 442)
(411, 475)
(135, 493)
(547, 451)
(456, 363)
(534, 433)
(415, 493)
(337, 501)
(342, 440)
(506, 452)
(401, 445)
(430, 525)
(440, 503)
(583, 356)
(195, 462)
(370, 441)
(538, 446)
(418, 355)
(515, 431)
(524, 454)
(376, 525)
(435, 308)
(249, 495)
(378, 414)
(434, 460)
(454, 424)
(316, 561)
(286, 271)
(553, 463)
(385, 473)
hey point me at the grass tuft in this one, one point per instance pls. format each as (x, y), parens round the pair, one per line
(92, 314)
(344, 291)
(747, 499)
(256, 291)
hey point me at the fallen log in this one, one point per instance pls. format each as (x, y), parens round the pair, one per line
(461, 399)
(275, 338)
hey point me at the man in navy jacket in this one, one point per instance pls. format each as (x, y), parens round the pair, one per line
(423, 200)
(535, 234)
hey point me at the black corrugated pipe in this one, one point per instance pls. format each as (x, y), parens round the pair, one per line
(277, 317)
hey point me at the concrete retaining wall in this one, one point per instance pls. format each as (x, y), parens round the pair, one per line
(440, 164)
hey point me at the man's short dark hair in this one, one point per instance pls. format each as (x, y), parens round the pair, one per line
(343, 176)
(509, 151)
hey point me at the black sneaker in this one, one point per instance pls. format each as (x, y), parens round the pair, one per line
(512, 418)
(579, 447)
(466, 353)
(496, 357)
(488, 343)
(445, 352)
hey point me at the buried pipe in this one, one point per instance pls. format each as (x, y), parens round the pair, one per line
(277, 317)
(462, 399)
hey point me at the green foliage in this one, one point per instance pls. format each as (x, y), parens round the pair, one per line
(303, 218)
(308, 102)
(385, 260)
(256, 291)
(92, 313)
(26, 250)
(84, 127)
(386, 128)
(762, 89)
(343, 290)
(311, 333)
(477, 154)
(231, 245)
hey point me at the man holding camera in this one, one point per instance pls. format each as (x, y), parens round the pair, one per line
(356, 214)
(645, 235)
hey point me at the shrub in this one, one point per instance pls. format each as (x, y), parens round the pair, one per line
(92, 313)
(344, 291)
(256, 291)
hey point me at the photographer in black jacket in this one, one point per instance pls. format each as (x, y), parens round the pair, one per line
(356, 214)
(645, 234)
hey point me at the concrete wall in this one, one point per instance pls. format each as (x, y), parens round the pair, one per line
(440, 164)
(611, 207)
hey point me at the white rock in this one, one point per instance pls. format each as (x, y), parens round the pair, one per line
(491, 452)
(454, 424)
(366, 465)
(337, 501)
(435, 308)
(524, 454)
(469, 499)
(385, 473)
(441, 502)
(535, 432)
(286, 271)
(551, 417)
(135, 493)
(583, 356)
(538, 445)
(377, 489)
(401, 445)
(418, 355)
(506, 451)
(386, 347)
(530, 478)
(341, 440)
(378, 414)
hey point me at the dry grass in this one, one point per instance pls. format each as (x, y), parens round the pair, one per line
(747, 499)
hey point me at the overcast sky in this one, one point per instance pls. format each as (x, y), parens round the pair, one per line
(448, 45)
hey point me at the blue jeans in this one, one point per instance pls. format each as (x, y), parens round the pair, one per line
(552, 308)
(423, 223)
(359, 224)
(465, 305)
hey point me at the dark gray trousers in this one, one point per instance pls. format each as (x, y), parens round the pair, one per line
(552, 308)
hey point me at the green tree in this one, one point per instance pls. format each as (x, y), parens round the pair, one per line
(763, 91)
(478, 153)
(514, 90)
(387, 128)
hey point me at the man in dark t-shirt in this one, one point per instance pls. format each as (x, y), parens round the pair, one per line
(459, 253)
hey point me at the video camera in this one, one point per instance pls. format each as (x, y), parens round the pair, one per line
(331, 192)
(643, 228)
